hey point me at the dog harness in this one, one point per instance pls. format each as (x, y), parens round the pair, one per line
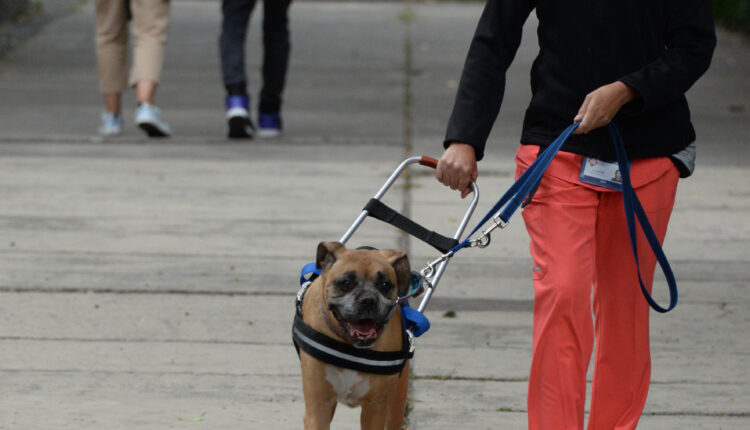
(332, 351)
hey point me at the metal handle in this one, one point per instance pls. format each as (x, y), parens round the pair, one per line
(424, 161)
(432, 283)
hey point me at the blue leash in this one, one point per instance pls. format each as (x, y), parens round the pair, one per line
(514, 197)
(520, 189)
(634, 209)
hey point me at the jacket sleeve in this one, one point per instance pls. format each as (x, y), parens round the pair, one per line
(690, 40)
(482, 85)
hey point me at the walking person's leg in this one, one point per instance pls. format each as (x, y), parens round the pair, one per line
(276, 48)
(150, 22)
(560, 221)
(235, 19)
(622, 361)
(111, 55)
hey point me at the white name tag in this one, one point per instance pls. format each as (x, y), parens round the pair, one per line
(602, 173)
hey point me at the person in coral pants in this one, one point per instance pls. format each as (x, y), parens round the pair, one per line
(599, 62)
(578, 241)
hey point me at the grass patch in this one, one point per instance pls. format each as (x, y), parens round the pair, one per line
(734, 14)
(407, 15)
(35, 7)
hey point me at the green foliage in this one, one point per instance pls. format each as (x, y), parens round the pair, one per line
(733, 13)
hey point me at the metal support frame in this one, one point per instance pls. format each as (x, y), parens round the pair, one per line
(433, 279)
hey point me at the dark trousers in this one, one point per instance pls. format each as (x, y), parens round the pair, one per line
(236, 15)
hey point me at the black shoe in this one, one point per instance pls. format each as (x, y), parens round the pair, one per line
(238, 117)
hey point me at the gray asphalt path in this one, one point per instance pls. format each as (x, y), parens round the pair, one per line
(150, 284)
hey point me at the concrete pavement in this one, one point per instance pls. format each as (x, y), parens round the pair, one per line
(150, 284)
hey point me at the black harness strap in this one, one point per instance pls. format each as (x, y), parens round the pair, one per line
(344, 355)
(379, 210)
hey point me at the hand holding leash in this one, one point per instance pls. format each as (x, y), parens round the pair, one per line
(601, 105)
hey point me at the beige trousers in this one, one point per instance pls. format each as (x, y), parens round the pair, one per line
(150, 20)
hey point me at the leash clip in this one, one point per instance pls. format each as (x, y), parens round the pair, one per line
(498, 223)
(429, 271)
(484, 240)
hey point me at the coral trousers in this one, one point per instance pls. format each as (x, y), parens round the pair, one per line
(580, 246)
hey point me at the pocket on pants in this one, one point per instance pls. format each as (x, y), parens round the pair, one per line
(531, 219)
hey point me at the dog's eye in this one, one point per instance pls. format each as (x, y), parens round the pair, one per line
(385, 286)
(344, 285)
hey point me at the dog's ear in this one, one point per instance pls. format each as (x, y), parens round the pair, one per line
(400, 263)
(328, 253)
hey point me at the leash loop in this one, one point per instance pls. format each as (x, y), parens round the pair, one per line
(633, 210)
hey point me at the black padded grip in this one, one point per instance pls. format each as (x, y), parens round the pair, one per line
(379, 210)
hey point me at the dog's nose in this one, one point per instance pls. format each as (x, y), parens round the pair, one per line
(368, 302)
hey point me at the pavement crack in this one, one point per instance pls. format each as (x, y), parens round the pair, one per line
(407, 17)
(467, 378)
(139, 340)
(696, 414)
(126, 291)
(148, 255)
(450, 377)
(146, 372)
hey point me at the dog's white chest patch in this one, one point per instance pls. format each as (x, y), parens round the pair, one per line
(350, 386)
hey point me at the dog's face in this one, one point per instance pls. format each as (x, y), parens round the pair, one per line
(362, 287)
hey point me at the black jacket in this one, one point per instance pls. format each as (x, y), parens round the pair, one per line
(658, 47)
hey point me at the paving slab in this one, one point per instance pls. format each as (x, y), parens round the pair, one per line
(345, 58)
(98, 220)
(118, 361)
(149, 285)
(441, 37)
(208, 204)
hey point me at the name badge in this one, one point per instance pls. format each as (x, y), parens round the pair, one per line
(601, 173)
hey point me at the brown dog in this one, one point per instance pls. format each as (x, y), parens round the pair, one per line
(353, 301)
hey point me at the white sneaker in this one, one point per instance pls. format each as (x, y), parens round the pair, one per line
(149, 120)
(111, 124)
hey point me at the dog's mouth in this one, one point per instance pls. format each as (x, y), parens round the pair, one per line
(362, 333)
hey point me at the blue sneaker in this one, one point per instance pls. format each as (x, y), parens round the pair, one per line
(238, 117)
(269, 124)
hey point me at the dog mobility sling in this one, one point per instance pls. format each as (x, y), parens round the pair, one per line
(414, 322)
(331, 351)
